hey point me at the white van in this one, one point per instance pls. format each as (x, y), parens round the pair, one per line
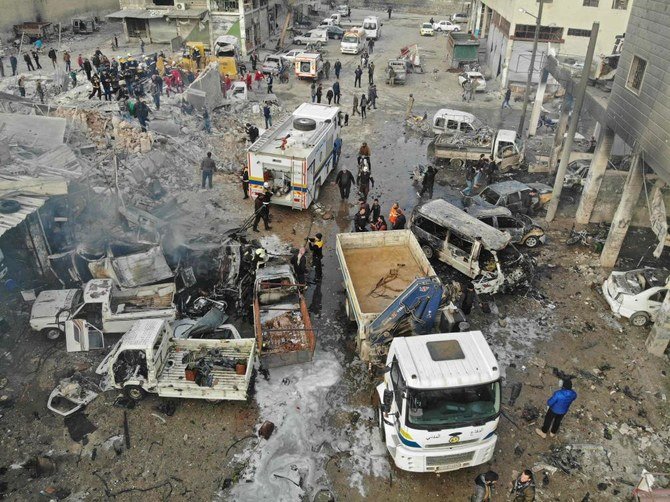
(372, 27)
(449, 120)
(353, 41)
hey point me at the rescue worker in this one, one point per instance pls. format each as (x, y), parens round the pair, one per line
(364, 180)
(40, 91)
(344, 180)
(523, 489)
(400, 220)
(95, 82)
(316, 247)
(245, 181)
(262, 208)
(428, 182)
(360, 221)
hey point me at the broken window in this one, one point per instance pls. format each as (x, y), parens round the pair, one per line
(425, 225)
(465, 127)
(225, 5)
(620, 4)
(574, 32)
(590, 3)
(636, 74)
(452, 124)
(547, 33)
(659, 296)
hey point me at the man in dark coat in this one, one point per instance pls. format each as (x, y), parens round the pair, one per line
(428, 182)
(344, 181)
(262, 208)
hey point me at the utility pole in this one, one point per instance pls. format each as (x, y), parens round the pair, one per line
(531, 69)
(572, 129)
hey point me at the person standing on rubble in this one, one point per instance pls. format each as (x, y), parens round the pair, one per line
(326, 68)
(68, 61)
(207, 168)
(338, 68)
(267, 116)
(36, 57)
(344, 180)
(95, 82)
(52, 56)
(14, 63)
(254, 60)
(252, 132)
(29, 63)
(2, 67)
(270, 82)
(336, 92)
(40, 91)
(155, 94)
(142, 113)
(22, 86)
(316, 247)
(245, 182)
(428, 182)
(262, 208)
(357, 76)
(558, 405)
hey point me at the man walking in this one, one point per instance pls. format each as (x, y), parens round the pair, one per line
(312, 91)
(29, 63)
(389, 10)
(316, 247)
(142, 112)
(36, 57)
(269, 83)
(371, 73)
(326, 69)
(245, 182)
(364, 181)
(52, 56)
(14, 64)
(559, 404)
(267, 116)
(357, 76)
(372, 96)
(319, 93)
(344, 180)
(95, 82)
(262, 208)
(337, 151)
(355, 105)
(410, 105)
(207, 166)
(338, 68)
(336, 92)
(469, 298)
(67, 59)
(329, 95)
(88, 68)
(484, 484)
(254, 60)
(428, 182)
(364, 106)
(508, 95)
(469, 178)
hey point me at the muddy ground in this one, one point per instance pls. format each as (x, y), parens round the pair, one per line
(326, 442)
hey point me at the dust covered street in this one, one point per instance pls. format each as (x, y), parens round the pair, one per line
(128, 210)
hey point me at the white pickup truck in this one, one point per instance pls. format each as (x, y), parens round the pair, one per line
(148, 359)
(107, 308)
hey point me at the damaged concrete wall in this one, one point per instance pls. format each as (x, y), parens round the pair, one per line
(55, 11)
(205, 92)
(610, 195)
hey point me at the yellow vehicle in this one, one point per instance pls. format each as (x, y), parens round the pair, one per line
(190, 59)
(225, 53)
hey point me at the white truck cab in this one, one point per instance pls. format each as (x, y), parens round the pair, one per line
(372, 27)
(353, 41)
(440, 402)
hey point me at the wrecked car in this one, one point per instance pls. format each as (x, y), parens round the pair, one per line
(516, 196)
(576, 173)
(148, 359)
(282, 323)
(522, 228)
(101, 304)
(637, 294)
(210, 326)
(470, 246)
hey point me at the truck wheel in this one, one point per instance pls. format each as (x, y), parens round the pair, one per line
(639, 319)
(304, 124)
(456, 163)
(380, 420)
(52, 333)
(134, 392)
(531, 241)
(428, 251)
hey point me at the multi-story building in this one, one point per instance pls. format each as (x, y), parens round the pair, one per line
(509, 28)
(161, 21)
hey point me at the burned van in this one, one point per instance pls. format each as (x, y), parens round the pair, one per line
(477, 250)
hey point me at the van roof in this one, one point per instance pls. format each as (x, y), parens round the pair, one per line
(454, 113)
(507, 135)
(448, 215)
(446, 360)
(142, 334)
(483, 212)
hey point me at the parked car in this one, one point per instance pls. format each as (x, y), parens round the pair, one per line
(521, 227)
(274, 64)
(335, 32)
(311, 36)
(637, 294)
(426, 30)
(476, 77)
(461, 17)
(446, 25)
(291, 55)
(575, 175)
(516, 196)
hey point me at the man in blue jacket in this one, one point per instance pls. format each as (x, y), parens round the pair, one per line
(559, 404)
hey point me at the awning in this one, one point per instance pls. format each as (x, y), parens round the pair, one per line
(185, 14)
(136, 14)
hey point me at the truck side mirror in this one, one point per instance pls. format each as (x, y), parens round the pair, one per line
(388, 399)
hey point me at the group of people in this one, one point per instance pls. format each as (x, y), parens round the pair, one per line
(480, 174)
(369, 217)
(299, 259)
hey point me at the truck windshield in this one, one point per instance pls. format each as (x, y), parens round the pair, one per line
(351, 39)
(370, 26)
(453, 407)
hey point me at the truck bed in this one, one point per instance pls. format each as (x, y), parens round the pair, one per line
(227, 384)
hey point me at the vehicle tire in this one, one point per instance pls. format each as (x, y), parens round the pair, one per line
(213, 401)
(572, 240)
(456, 163)
(439, 30)
(52, 334)
(304, 124)
(134, 392)
(297, 42)
(380, 423)
(531, 241)
(639, 319)
(9, 206)
(428, 251)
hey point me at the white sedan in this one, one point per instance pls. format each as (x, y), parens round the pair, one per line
(474, 76)
(636, 294)
(446, 25)
(292, 54)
